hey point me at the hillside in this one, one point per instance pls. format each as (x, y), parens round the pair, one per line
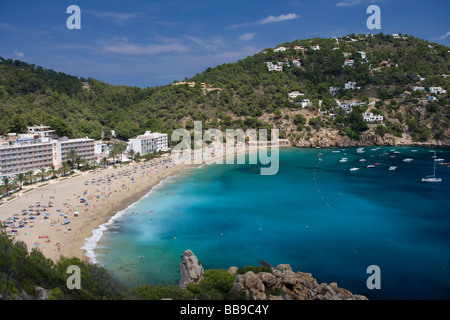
(246, 94)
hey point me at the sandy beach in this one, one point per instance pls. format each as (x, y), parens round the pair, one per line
(40, 217)
(39, 214)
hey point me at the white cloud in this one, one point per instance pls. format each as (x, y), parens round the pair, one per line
(283, 17)
(117, 17)
(445, 36)
(348, 3)
(269, 19)
(134, 49)
(18, 53)
(247, 36)
(6, 26)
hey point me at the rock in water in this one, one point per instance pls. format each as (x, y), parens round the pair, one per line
(191, 271)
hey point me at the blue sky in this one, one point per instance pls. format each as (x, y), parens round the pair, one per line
(151, 43)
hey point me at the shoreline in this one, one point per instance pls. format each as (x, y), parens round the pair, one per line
(90, 243)
(104, 200)
(107, 201)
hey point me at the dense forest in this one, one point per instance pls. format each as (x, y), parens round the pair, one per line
(248, 95)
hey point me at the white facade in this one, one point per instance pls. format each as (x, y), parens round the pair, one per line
(437, 90)
(295, 94)
(334, 91)
(84, 147)
(370, 117)
(274, 67)
(348, 62)
(42, 131)
(305, 103)
(148, 143)
(350, 85)
(418, 88)
(100, 147)
(316, 47)
(21, 157)
(280, 49)
(296, 63)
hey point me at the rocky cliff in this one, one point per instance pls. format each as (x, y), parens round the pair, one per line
(326, 138)
(279, 284)
(191, 271)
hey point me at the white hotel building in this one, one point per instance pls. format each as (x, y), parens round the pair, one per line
(27, 155)
(36, 150)
(148, 143)
(84, 147)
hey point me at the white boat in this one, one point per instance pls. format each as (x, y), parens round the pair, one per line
(370, 166)
(354, 169)
(413, 150)
(360, 150)
(343, 160)
(392, 168)
(433, 177)
(440, 159)
(362, 160)
(336, 151)
(408, 160)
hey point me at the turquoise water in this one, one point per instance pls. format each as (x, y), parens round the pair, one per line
(314, 214)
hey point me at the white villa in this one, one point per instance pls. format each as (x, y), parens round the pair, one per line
(305, 103)
(334, 91)
(348, 62)
(437, 90)
(418, 88)
(363, 54)
(370, 117)
(350, 85)
(274, 67)
(347, 105)
(295, 94)
(316, 47)
(296, 63)
(280, 49)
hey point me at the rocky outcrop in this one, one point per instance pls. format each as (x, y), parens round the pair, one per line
(284, 284)
(280, 284)
(42, 294)
(327, 138)
(191, 271)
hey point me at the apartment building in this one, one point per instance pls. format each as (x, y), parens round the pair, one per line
(84, 147)
(25, 155)
(148, 143)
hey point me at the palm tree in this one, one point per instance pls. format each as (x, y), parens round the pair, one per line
(104, 162)
(30, 176)
(65, 167)
(41, 173)
(72, 155)
(130, 154)
(20, 179)
(80, 161)
(7, 185)
(52, 170)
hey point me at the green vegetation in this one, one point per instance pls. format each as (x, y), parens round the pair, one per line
(22, 271)
(31, 95)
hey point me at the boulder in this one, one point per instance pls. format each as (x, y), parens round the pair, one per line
(191, 271)
(284, 284)
(42, 294)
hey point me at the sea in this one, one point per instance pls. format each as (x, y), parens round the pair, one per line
(314, 214)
